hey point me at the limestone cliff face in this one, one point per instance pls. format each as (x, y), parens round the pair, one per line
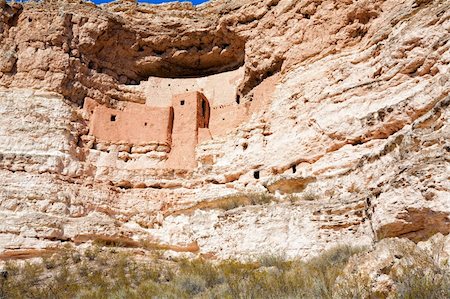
(342, 102)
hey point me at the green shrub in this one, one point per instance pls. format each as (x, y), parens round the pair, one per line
(50, 263)
(326, 268)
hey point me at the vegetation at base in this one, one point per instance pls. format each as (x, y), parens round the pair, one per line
(110, 273)
(417, 284)
(107, 273)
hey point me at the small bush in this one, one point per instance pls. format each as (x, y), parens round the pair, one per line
(417, 284)
(232, 202)
(240, 200)
(92, 253)
(50, 263)
(309, 196)
(274, 260)
(76, 257)
(190, 284)
(260, 198)
(293, 199)
(202, 268)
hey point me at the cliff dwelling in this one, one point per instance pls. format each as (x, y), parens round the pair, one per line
(178, 114)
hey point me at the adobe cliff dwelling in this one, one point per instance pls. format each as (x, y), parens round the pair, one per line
(174, 118)
(139, 128)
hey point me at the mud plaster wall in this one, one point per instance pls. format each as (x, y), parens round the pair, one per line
(189, 116)
(221, 92)
(219, 89)
(135, 124)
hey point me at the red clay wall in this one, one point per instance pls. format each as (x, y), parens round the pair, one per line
(135, 124)
(188, 118)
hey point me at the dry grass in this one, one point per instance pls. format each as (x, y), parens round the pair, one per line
(305, 196)
(104, 273)
(309, 196)
(240, 200)
(101, 273)
(417, 284)
(230, 202)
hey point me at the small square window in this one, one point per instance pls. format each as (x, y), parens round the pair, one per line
(182, 102)
(113, 117)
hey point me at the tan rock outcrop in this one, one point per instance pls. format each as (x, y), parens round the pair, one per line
(344, 101)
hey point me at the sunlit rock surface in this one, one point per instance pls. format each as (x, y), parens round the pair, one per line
(339, 109)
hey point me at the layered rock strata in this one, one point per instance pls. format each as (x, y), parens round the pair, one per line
(343, 103)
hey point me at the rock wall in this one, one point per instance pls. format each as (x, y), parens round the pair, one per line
(345, 121)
